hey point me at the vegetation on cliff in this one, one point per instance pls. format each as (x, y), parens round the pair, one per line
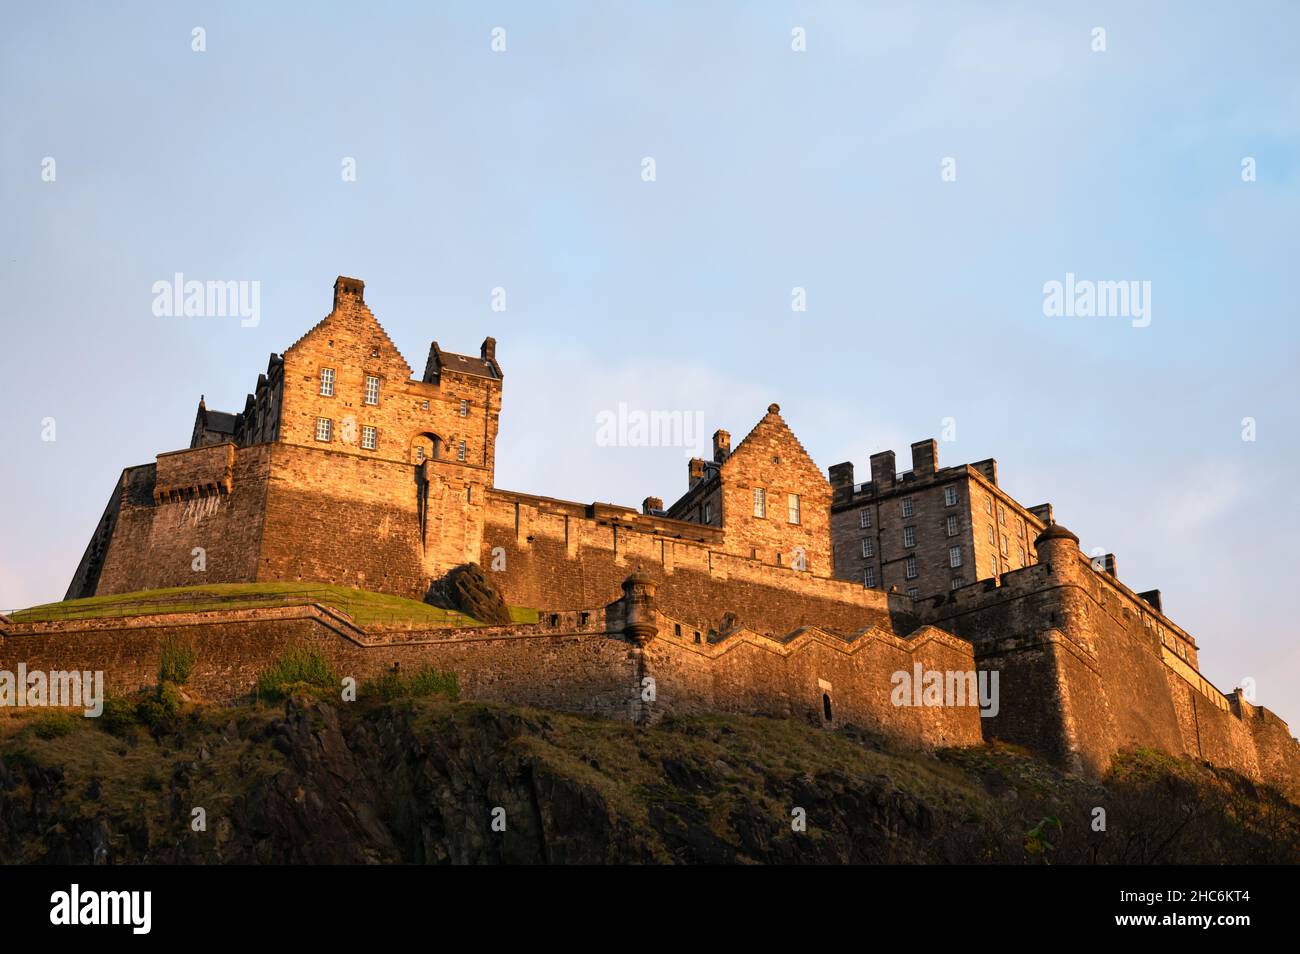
(408, 775)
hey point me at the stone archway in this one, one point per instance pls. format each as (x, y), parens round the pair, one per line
(425, 446)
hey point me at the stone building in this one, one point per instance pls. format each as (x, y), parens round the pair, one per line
(929, 529)
(768, 494)
(764, 588)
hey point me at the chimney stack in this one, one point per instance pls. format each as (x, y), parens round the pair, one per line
(1105, 564)
(883, 470)
(721, 446)
(1152, 597)
(345, 288)
(925, 457)
(841, 475)
(652, 506)
(488, 350)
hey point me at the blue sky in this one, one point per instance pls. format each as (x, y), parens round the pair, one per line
(775, 169)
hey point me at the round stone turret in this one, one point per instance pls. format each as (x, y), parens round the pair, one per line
(639, 607)
(1057, 546)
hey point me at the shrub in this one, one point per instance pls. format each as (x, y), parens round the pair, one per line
(175, 660)
(430, 682)
(55, 724)
(119, 715)
(425, 682)
(161, 709)
(298, 670)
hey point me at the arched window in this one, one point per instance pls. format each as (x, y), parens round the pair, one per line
(425, 447)
(826, 706)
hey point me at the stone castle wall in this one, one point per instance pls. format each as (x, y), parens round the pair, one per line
(1089, 669)
(554, 554)
(154, 540)
(576, 661)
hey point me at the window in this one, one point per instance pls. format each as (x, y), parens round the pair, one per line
(792, 506)
(907, 506)
(460, 451)
(954, 556)
(864, 518)
(464, 408)
(995, 566)
(323, 428)
(988, 505)
(1002, 515)
(992, 542)
(913, 592)
(368, 437)
(708, 512)
(424, 405)
(909, 536)
(419, 453)
(909, 568)
(327, 382)
(958, 582)
(952, 525)
(1020, 529)
(950, 496)
(868, 547)
(1022, 557)
(1004, 546)
(869, 576)
(760, 502)
(372, 389)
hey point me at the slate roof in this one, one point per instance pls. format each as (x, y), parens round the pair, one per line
(219, 421)
(466, 364)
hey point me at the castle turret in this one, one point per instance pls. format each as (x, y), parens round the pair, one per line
(639, 608)
(1058, 547)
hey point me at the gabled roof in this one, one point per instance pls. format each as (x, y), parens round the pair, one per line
(773, 416)
(353, 286)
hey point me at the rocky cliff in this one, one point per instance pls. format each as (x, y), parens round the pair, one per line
(431, 781)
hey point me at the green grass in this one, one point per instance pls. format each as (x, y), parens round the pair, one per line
(365, 608)
(176, 660)
(297, 670)
(424, 682)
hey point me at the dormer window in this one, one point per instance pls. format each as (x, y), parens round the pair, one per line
(327, 382)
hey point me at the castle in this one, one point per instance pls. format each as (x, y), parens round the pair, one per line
(767, 587)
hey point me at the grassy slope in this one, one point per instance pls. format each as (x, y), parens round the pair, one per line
(364, 607)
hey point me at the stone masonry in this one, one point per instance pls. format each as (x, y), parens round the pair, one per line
(765, 587)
